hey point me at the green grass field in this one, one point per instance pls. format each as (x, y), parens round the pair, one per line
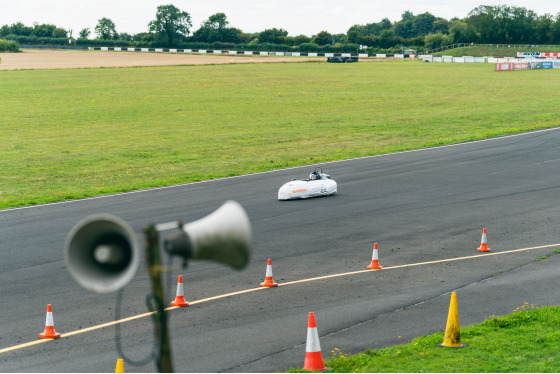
(69, 134)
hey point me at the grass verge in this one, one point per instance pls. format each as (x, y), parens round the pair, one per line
(525, 341)
(69, 134)
(495, 50)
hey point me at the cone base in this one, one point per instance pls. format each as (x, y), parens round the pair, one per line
(374, 266)
(483, 249)
(179, 303)
(269, 284)
(314, 361)
(443, 345)
(49, 335)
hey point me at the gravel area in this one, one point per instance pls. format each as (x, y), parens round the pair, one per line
(76, 59)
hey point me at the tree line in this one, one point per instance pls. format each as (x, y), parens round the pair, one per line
(172, 28)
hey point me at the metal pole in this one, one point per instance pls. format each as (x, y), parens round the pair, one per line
(164, 362)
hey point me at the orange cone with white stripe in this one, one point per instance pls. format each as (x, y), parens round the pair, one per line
(375, 259)
(180, 294)
(313, 355)
(268, 281)
(483, 243)
(49, 332)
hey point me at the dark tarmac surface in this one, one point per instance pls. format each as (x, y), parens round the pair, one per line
(420, 206)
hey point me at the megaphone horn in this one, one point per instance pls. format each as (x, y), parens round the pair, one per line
(222, 236)
(101, 253)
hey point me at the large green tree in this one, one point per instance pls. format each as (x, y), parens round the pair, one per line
(504, 24)
(462, 32)
(215, 29)
(43, 30)
(17, 29)
(84, 33)
(322, 38)
(105, 29)
(274, 35)
(171, 24)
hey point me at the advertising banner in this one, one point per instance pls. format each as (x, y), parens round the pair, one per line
(521, 66)
(504, 66)
(546, 65)
(556, 64)
(538, 54)
(529, 54)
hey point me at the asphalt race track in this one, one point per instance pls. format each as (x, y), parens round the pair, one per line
(422, 206)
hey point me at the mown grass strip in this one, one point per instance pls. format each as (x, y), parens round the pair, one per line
(77, 133)
(525, 341)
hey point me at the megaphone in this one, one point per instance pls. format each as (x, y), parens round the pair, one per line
(101, 253)
(222, 236)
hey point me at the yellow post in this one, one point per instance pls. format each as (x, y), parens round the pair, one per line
(120, 366)
(452, 337)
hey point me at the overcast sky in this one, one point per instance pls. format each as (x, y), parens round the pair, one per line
(307, 17)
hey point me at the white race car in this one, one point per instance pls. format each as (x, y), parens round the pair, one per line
(318, 184)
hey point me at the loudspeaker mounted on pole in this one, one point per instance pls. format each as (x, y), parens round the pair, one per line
(101, 253)
(222, 236)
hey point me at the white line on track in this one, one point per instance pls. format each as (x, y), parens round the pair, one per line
(96, 327)
(276, 170)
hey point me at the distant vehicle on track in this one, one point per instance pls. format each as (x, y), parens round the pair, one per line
(318, 184)
(342, 59)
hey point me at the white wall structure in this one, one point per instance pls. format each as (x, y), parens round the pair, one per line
(425, 58)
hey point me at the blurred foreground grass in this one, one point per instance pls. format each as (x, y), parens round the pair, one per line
(525, 341)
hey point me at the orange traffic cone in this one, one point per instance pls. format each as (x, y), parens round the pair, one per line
(180, 295)
(268, 281)
(313, 355)
(49, 332)
(120, 366)
(484, 243)
(374, 259)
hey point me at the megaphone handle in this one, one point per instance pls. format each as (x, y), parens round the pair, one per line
(151, 237)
